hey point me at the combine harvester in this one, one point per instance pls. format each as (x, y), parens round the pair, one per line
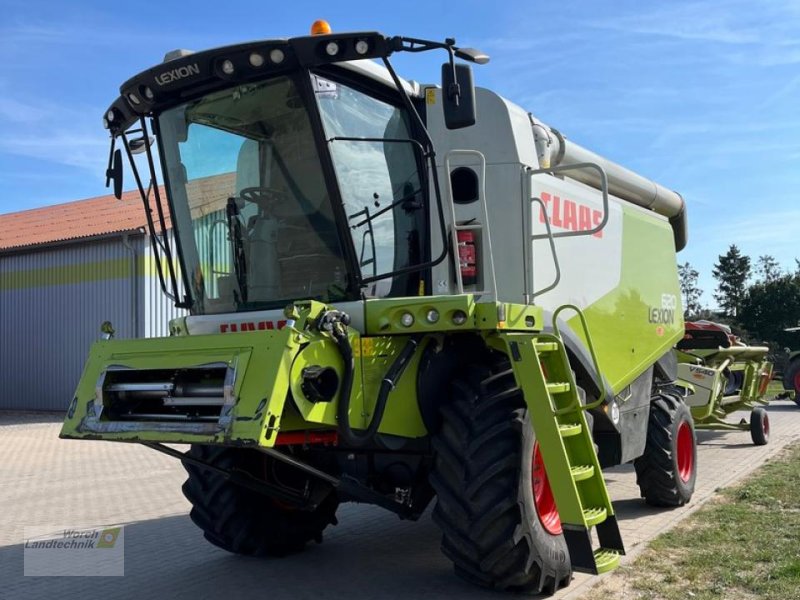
(724, 375)
(397, 292)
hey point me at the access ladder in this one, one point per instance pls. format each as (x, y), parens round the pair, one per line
(542, 370)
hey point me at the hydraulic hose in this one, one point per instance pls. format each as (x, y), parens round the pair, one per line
(335, 322)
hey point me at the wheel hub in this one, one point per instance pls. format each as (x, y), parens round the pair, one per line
(543, 495)
(685, 451)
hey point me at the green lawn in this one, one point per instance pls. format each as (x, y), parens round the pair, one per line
(744, 544)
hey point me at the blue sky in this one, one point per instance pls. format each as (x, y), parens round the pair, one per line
(701, 96)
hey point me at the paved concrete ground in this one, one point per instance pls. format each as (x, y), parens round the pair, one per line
(371, 554)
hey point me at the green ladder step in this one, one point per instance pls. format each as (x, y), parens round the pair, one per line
(569, 429)
(581, 472)
(559, 387)
(546, 346)
(594, 515)
(606, 560)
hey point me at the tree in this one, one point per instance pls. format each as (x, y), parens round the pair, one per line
(768, 308)
(768, 269)
(690, 291)
(732, 271)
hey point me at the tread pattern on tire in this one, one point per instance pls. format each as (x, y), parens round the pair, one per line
(480, 506)
(788, 378)
(757, 433)
(241, 520)
(656, 473)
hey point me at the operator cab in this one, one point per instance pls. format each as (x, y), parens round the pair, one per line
(290, 172)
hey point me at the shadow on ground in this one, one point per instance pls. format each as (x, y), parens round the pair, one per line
(168, 558)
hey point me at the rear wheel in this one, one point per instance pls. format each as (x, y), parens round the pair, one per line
(495, 507)
(791, 379)
(667, 470)
(241, 520)
(759, 426)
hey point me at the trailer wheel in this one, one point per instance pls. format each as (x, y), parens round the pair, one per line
(499, 523)
(791, 379)
(667, 470)
(241, 520)
(759, 426)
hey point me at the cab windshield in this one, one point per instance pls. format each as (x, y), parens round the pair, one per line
(378, 169)
(254, 215)
(253, 212)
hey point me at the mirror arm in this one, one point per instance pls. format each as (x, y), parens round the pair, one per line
(454, 89)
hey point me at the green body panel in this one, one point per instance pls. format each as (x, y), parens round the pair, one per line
(383, 316)
(374, 356)
(626, 339)
(322, 351)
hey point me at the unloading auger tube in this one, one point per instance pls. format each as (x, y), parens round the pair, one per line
(334, 323)
(554, 150)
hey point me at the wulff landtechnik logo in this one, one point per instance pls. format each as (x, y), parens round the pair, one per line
(86, 552)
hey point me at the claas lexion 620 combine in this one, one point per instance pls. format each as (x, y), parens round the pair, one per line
(398, 293)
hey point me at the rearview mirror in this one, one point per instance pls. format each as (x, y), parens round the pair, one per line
(458, 95)
(139, 145)
(114, 173)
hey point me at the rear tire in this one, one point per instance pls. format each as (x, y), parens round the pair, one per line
(791, 379)
(482, 475)
(241, 520)
(759, 426)
(667, 470)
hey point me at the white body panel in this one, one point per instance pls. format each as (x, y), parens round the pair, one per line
(591, 265)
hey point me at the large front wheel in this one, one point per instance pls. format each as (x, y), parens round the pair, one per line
(239, 519)
(499, 523)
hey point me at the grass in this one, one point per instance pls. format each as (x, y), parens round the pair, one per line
(744, 544)
(775, 387)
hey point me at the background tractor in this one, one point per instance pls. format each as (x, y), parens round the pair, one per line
(397, 292)
(791, 370)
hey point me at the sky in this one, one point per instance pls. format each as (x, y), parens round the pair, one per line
(700, 96)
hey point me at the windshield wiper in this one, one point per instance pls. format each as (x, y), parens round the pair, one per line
(237, 249)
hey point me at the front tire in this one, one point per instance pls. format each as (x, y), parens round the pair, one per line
(667, 470)
(485, 459)
(239, 519)
(759, 426)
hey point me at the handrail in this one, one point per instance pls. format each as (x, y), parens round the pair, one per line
(603, 188)
(589, 343)
(552, 250)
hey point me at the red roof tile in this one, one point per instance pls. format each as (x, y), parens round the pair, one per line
(73, 220)
(104, 215)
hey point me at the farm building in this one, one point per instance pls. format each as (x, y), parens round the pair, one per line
(64, 270)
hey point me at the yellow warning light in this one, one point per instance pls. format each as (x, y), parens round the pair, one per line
(320, 27)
